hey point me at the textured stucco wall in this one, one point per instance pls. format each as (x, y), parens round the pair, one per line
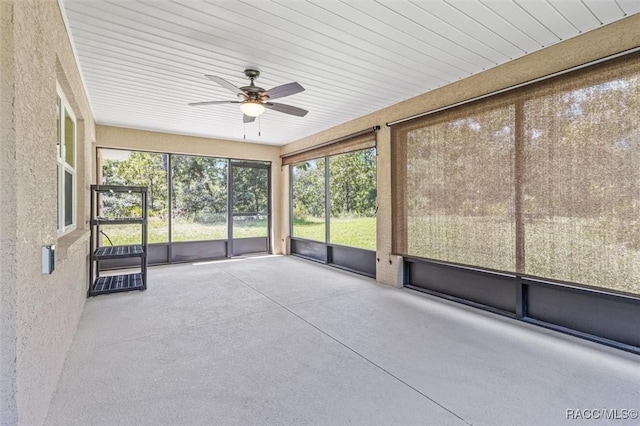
(40, 312)
(8, 410)
(587, 47)
(118, 137)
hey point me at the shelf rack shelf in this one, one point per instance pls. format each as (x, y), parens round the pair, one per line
(121, 282)
(117, 221)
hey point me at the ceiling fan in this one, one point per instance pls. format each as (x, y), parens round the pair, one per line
(254, 100)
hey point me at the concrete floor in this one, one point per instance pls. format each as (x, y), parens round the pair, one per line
(283, 341)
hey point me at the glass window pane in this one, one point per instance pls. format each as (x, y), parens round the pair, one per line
(69, 139)
(134, 168)
(58, 126)
(199, 210)
(352, 189)
(58, 195)
(68, 199)
(308, 184)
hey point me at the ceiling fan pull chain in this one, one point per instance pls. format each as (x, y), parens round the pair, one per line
(259, 127)
(244, 130)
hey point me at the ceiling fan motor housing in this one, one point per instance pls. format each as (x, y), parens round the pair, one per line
(252, 91)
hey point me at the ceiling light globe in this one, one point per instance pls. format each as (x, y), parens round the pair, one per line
(252, 108)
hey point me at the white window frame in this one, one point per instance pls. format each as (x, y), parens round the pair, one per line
(62, 166)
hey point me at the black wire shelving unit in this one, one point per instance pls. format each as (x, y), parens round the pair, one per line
(119, 282)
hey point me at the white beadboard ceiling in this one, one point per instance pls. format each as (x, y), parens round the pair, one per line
(144, 61)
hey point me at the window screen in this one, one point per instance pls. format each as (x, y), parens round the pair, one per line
(199, 198)
(582, 179)
(309, 203)
(136, 168)
(542, 181)
(352, 199)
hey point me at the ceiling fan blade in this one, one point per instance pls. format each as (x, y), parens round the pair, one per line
(224, 83)
(213, 103)
(248, 119)
(284, 90)
(287, 109)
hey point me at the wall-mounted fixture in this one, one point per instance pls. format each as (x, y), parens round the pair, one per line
(48, 259)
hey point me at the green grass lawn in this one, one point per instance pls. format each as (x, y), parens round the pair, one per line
(311, 228)
(183, 230)
(356, 232)
(158, 232)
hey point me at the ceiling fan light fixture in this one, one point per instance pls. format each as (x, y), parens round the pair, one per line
(252, 108)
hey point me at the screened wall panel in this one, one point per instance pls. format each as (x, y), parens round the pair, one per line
(333, 202)
(542, 181)
(459, 188)
(135, 168)
(199, 198)
(582, 174)
(195, 204)
(352, 193)
(250, 201)
(309, 201)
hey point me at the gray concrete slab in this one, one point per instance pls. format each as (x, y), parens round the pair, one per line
(265, 368)
(280, 340)
(486, 368)
(178, 296)
(293, 280)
